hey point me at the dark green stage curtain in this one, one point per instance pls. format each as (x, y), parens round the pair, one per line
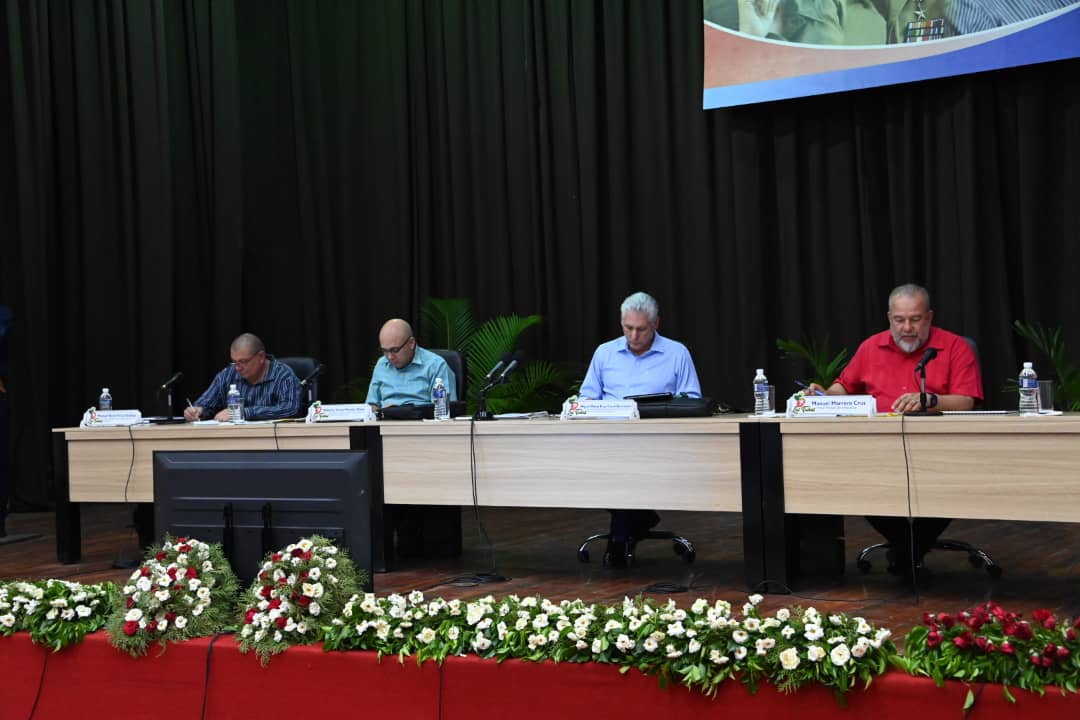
(181, 172)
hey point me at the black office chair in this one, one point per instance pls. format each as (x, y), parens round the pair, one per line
(976, 556)
(459, 366)
(305, 369)
(681, 546)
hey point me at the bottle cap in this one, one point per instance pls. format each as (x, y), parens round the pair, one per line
(1027, 365)
(232, 386)
(760, 371)
(104, 391)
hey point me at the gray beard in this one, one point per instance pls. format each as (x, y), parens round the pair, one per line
(908, 347)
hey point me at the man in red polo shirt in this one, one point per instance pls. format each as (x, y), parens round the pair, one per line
(884, 366)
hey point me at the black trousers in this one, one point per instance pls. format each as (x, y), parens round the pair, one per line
(924, 532)
(631, 523)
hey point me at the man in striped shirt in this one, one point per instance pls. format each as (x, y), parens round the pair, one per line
(270, 388)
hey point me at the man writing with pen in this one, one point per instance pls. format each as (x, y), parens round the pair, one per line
(270, 388)
(885, 366)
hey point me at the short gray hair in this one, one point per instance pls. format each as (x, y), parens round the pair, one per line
(909, 290)
(250, 342)
(641, 302)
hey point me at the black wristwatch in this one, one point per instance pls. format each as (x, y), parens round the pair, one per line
(933, 399)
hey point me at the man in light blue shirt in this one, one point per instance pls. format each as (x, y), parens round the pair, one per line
(641, 362)
(406, 372)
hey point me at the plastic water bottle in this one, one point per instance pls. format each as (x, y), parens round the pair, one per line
(1029, 390)
(761, 393)
(105, 401)
(235, 402)
(441, 400)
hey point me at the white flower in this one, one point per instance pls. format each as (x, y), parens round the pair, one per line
(540, 621)
(67, 614)
(880, 636)
(453, 633)
(755, 598)
(278, 636)
(860, 647)
(521, 624)
(624, 643)
(481, 643)
(474, 613)
(612, 625)
(814, 653)
(537, 640)
(193, 584)
(51, 615)
(672, 651)
(501, 630)
(783, 614)
(162, 624)
(197, 610)
(863, 627)
(203, 593)
(650, 645)
(740, 636)
(304, 544)
(581, 644)
(717, 658)
(331, 563)
(415, 597)
(597, 646)
(787, 632)
(301, 627)
(693, 646)
(83, 611)
(740, 652)
(144, 584)
(840, 655)
(789, 658)
(133, 615)
(752, 624)
(836, 620)
(312, 590)
(813, 632)
(427, 635)
(180, 622)
(699, 606)
(207, 566)
(162, 595)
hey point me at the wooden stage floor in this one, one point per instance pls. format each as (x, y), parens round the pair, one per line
(536, 548)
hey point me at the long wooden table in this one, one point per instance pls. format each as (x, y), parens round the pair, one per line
(963, 466)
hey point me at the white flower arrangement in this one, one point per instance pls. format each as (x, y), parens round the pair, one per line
(56, 613)
(184, 589)
(295, 590)
(699, 647)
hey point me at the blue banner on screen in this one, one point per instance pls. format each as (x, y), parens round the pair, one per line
(762, 50)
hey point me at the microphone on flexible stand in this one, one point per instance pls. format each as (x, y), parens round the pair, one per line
(310, 376)
(167, 387)
(506, 365)
(920, 368)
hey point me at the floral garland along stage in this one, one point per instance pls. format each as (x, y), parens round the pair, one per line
(296, 591)
(56, 613)
(184, 589)
(700, 648)
(988, 644)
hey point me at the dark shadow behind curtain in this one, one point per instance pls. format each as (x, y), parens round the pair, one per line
(185, 171)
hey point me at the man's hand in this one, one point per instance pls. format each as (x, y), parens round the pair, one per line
(222, 416)
(908, 402)
(192, 413)
(814, 389)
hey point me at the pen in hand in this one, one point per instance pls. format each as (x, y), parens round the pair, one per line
(806, 387)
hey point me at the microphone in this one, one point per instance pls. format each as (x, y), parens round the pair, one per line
(177, 377)
(498, 366)
(929, 355)
(519, 357)
(314, 374)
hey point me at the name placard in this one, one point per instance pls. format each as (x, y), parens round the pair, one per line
(110, 418)
(574, 409)
(340, 412)
(831, 406)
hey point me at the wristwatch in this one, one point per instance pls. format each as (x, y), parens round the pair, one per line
(933, 399)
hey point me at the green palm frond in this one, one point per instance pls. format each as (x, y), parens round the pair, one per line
(824, 366)
(540, 386)
(447, 323)
(491, 341)
(1049, 342)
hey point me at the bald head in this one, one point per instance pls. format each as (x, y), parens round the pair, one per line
(397, 343)
(249, 356)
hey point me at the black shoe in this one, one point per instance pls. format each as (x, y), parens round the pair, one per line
(615, 555)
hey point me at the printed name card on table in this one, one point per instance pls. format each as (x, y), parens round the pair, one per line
(340, 412)
(110, 418)
(574, 409)
(799, 405)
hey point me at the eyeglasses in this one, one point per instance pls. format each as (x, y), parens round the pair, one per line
(242, 362)
(395, 350)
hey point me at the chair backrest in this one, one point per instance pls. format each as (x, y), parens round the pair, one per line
(975, 350)
(457, 363)
(305, 367)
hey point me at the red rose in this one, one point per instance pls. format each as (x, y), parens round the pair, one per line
(160, 556)
(263, 575)
(995, 610)
(928, 619)
(275, 603)
(1041, 614)
(981, 643)
(306, 556)
(975, 622)
(297, 552)
(266, 590)
(1023, 631)
(1047, 662)
(283, 581)
(933, 640)
(171, 572)
(275, 557)
(1077, 623)
(1070, 634)
(1007, 648)
(1049, 650)
(144, 571)
(129, 602)
(946, 620)
(184, 548)
(1036, 660)
(304, 601)
(249, 616)
(192, 573)
(181, 539)
(170, 616)
(960, 642)
(282, 621)
(303, 574)
(131, 627)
